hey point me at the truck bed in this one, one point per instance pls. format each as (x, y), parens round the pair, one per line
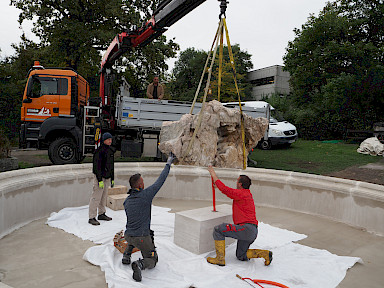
(149, 114)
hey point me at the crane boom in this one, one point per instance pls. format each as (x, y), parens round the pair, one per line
(167, 13)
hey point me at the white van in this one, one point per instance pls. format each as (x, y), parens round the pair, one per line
(279, 132)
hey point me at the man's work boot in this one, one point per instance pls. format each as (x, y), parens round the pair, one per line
(93, 221)
(104, 217)
(137, 266)
(127, 254)
(220, 253)
(126, 259)
(257, 253)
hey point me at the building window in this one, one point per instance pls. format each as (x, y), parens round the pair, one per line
(263, 81)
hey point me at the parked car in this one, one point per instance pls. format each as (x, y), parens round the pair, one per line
(280, 133)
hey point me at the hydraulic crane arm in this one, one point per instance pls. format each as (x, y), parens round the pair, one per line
(170, 11)
(167, 13)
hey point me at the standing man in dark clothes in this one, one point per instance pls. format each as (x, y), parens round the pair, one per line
(138, 206)
(103, 168)
(245, 224)
(155, 90)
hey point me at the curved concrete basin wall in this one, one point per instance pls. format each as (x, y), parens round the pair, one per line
(30, 194)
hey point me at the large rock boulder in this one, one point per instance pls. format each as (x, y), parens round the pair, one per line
(218, 141)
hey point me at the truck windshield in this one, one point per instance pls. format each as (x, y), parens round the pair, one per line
(272, 120)
(48, 86)
(277, 115)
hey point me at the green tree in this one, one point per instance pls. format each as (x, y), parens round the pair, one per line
(186, 74)
(75, 32)
(141, 65)
(336, 64)
(189, 67)
(243, 64)
(13, 70)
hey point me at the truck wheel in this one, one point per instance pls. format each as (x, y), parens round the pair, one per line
(62, 151)
(266, 145)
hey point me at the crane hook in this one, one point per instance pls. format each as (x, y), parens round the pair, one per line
(223, 7)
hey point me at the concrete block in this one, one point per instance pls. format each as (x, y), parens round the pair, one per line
(117, 189)
(193, 228)
(116, 202)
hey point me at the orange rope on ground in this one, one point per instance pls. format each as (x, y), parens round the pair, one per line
(257, 281)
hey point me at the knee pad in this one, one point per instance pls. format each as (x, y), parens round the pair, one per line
(154, 256)
(216, 234)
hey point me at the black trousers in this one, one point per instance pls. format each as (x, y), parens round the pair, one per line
(147, 248)
(244, 233)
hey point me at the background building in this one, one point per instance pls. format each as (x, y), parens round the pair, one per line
(268, 81)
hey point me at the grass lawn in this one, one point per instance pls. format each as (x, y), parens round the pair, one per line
(305, 156)
(314, 157)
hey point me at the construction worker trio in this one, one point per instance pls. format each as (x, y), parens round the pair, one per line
(138, 206)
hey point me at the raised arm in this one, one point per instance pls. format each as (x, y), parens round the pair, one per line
(213, 173)
(155, 187)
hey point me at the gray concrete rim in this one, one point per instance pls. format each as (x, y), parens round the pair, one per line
(336, 217)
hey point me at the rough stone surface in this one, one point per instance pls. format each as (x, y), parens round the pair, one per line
(218, 141)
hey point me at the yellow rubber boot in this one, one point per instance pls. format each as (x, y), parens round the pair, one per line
(257, 253)
(220, 253)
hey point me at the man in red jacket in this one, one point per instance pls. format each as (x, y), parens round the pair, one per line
(245, 224)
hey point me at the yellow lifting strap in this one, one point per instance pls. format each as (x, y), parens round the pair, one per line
(237, 90)
(205, 68)
(205, 90)
(220, 62)
(219, 36)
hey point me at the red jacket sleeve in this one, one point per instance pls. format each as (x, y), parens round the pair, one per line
(243, 207)
(235, 194)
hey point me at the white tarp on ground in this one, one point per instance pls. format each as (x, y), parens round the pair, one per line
(371, 146)
(293, 265)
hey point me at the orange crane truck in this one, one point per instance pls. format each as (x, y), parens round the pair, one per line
(57, 113)
(52, 112)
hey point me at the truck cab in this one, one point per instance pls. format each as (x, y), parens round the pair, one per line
(51, 112)
(280, 133)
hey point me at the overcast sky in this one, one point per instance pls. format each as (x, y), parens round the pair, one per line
(262, 28)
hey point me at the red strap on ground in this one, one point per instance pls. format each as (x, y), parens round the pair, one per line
(257, 281)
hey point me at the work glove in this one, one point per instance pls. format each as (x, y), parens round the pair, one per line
(171, 157)
(101, 184)
(112, 183)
